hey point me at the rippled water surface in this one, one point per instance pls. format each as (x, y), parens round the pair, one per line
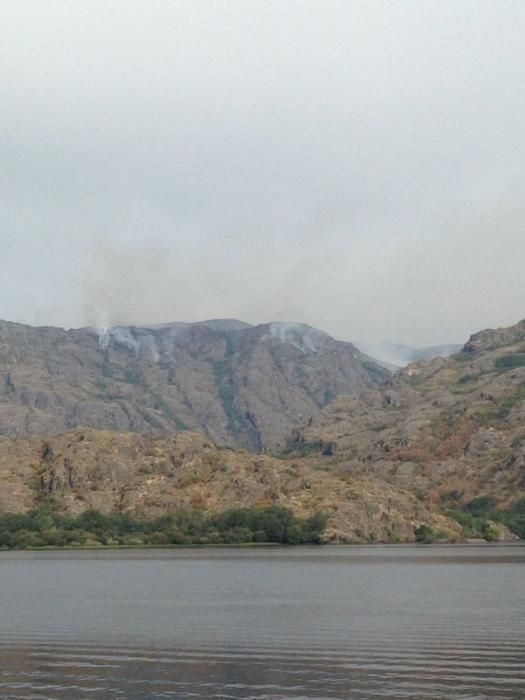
(333, 622)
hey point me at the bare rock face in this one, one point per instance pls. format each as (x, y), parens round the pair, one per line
(241, 385)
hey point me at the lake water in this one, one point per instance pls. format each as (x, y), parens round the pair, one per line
(315, 622)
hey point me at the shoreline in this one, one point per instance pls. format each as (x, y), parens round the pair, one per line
(264, 545)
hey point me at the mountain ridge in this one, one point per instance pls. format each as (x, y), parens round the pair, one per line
(242, 385)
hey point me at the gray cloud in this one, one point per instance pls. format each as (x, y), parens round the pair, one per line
(354, 165)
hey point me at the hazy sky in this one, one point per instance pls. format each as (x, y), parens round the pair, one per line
(358, 166)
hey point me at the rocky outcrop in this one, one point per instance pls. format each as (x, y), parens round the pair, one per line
(492, 339)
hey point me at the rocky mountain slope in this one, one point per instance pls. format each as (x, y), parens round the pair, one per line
(148, 476)
(448, 430)
(241, 385)
(381, 454)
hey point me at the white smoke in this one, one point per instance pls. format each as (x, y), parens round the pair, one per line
(303, 337)
(104, 336)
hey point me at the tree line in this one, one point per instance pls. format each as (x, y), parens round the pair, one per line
(46, 526)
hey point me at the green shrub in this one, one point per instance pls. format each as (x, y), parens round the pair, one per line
(478, 518)
(425, 534)
(466, 378)
(483, 505)
(510, 361)
(490, 532)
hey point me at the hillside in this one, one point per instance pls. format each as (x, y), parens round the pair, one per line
(241, 385)
(145, 476)
(448, 430)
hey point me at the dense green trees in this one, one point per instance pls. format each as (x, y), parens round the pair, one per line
(47, 527)
(478, 517)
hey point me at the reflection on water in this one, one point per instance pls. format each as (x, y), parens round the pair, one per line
(338, 622)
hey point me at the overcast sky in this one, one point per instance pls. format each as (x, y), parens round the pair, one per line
(358, 166)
